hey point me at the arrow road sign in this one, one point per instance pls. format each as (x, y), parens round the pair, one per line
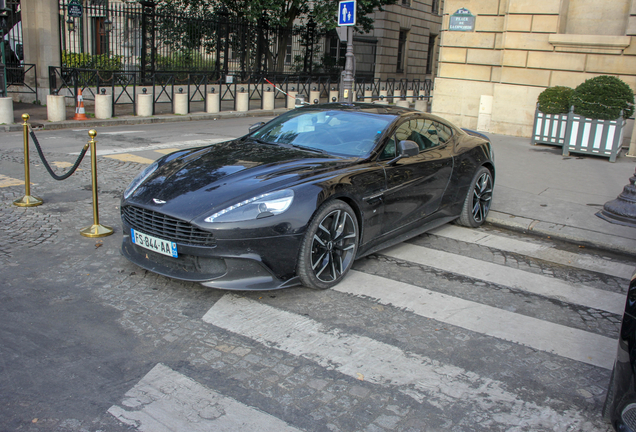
(347, 13)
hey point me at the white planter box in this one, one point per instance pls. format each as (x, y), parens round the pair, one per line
(579, 134)
(591, 136)
(549, 128)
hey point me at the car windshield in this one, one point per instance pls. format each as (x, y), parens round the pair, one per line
(346, 133)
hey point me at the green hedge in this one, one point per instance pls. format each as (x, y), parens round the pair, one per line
(555, 100)
(89, 61)
(603, 98)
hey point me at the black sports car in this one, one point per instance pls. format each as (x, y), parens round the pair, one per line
(299, 198)
(620, 403)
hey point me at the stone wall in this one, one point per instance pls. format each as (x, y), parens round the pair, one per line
(521, 47)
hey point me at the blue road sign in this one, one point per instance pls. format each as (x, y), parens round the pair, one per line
(347, 13)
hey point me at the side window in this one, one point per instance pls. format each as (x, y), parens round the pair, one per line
(389, 150)
(444, 132)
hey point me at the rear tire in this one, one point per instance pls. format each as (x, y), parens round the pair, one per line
(329, 246)
(478, 200)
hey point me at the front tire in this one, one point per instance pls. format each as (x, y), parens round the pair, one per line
(329, 246)
(478, 200)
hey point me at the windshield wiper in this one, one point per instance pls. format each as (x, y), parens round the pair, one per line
(260, 141)
(315, 150)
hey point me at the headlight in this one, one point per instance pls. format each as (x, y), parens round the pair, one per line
(265, 205)
(140, 179)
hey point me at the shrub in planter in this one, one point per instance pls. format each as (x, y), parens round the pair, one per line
(603, 98)
(555, 100)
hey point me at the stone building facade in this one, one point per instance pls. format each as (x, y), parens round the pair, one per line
(408, 39)
(519, 48)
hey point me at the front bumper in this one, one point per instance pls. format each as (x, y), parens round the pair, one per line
(246, 264)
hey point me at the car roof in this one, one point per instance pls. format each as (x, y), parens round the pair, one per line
(362, 107)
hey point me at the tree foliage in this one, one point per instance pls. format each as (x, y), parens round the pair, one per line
(282, 13)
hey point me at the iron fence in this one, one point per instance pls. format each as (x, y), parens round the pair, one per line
(131, 37)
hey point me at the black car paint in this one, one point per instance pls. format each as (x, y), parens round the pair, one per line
(385, 197)
(620, 403)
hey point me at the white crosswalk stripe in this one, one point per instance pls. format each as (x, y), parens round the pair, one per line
(539, 251)
(553, 338)
(513, 278)
(167, 401)
(380, 363)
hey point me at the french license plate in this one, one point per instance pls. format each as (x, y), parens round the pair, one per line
(154, 244)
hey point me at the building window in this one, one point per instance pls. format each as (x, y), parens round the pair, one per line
(401, 53)
(406, 3)
(430, 58)
(288, 54)
(435, 7)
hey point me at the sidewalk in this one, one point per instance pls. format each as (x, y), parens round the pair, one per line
(537, 190)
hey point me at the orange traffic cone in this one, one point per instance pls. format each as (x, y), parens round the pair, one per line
(80, 114)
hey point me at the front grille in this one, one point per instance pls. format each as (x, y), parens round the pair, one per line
(166, 227)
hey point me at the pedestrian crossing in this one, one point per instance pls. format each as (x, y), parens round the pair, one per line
(394, 363)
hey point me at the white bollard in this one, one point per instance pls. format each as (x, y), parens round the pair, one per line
(6, 110)
(421, 105)
(103, 106)
(144, 105)
(314, 96)
(402, 103)
(268, 100)
(291, 99)
(55, 108)
(213, 104)
(242, 101)
(368, 95)
(180, 103)
(333, 95)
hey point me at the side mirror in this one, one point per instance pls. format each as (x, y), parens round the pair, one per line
(255, 127)
(407, 148)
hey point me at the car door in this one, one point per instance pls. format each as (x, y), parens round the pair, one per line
(415, 185)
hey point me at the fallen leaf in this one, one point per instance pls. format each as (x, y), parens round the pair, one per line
(359, 376)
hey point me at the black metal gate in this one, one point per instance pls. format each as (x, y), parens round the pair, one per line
(140, 37)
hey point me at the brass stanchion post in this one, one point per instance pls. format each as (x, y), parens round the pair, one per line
(27, 200)
(95, 230)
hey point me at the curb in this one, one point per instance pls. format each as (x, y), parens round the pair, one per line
(570, 234)
(134, 120)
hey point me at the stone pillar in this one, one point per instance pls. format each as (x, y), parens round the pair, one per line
(41, 41)
(56, 108)
(6, 110)
(632, 143)
(485, 113)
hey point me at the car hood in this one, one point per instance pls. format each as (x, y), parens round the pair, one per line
(201, 181)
